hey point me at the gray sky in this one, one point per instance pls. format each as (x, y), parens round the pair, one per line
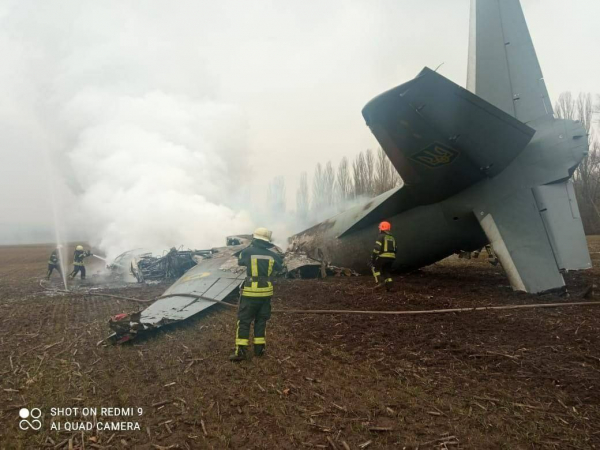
(288, 78)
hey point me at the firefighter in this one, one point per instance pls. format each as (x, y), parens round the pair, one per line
(78, 265)
(54, 262)
(384, 255)
(255, 301)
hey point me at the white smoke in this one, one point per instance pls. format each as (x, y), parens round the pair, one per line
(132, 118)
(156, 170)
(138, 105)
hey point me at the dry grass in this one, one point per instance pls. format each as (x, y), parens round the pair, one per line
(508, 379)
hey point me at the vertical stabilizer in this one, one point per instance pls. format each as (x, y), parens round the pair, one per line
(503, 66)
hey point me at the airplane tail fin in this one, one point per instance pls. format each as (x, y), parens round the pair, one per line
(442, 138)
(503, 66)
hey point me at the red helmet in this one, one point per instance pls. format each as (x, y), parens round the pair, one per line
(385, 226)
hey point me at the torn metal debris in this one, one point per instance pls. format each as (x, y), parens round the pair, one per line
(300, 265)
(174, 264)
(215, 277)
(240, 239)
(210, 275)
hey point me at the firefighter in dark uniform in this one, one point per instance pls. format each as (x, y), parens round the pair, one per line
(54, 262)
(255, 302)
(78, 264)
(384, 255)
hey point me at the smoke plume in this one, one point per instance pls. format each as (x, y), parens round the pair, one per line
(155, 170)
(132, 122)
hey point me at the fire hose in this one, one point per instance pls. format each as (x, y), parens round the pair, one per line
(344, 311)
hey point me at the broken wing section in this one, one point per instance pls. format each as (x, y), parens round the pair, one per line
(560, 213)
(213, 278)
(518, 236)
(441, 138)
(503, 66)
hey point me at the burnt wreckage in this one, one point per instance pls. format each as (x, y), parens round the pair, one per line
(214, 277)
(170, 266)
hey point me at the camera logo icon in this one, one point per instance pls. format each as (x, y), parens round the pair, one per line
(34, 414)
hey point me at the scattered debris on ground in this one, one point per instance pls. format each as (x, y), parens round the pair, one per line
(171, 266)
(206, 277)
(509, 379)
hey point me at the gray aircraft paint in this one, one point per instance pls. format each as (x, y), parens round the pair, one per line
(488, 166)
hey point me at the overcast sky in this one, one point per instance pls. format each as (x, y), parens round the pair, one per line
(289, 79)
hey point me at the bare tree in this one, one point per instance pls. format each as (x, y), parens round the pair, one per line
(329, 178)
(318, 190)
(565, 106)
(369, 173)
(343, 183)
(302, 197)
(384, 173)
(587, 175)
(584, 108)
(358, 172)
(276, 195)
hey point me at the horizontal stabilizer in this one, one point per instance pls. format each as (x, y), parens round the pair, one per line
(518, 236)
(442, 138)
(559, 210)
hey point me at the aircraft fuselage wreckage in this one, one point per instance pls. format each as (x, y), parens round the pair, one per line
(216, 276)
(490, 164)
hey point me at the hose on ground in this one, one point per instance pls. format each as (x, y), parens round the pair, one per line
(344, 311)
(97, 294)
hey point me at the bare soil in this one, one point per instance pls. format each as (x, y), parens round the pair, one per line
(513, 379)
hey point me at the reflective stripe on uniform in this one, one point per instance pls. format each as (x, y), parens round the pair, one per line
(239, 341)
(260, 340)
(386, 240)
(253, 290)
(376, 275)
(265, 293)
(271, 263)
(388, 252)
(77, 263)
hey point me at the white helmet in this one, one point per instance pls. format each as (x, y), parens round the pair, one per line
(263, 234)
(79, 247)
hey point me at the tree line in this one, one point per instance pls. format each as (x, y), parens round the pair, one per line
(587, 176)
(332, 189)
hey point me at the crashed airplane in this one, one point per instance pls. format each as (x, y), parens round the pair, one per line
(490, 164)
(215, 277)
(487, 165)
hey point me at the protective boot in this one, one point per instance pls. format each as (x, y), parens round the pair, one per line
(388, 284)
(240, 354)
(259, 350)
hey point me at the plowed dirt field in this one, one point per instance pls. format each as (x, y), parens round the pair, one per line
(512, 379)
